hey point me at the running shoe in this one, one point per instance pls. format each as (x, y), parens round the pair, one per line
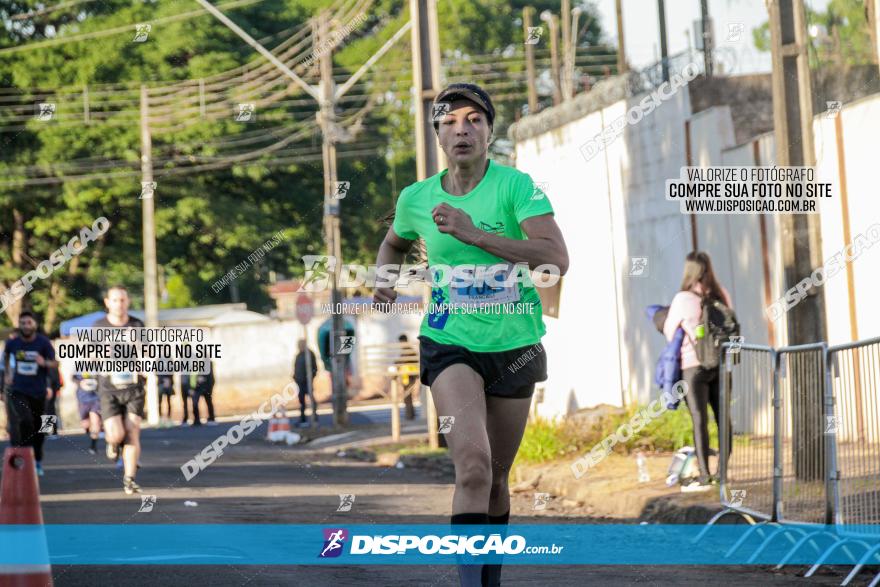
(696, 487)
(129, 486)
(39, 469)
(112, 451)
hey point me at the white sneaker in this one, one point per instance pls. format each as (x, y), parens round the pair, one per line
(697, 487)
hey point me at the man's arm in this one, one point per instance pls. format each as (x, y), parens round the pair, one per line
(545, 245)
(7, 375)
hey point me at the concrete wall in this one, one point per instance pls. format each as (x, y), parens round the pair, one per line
(611, 208)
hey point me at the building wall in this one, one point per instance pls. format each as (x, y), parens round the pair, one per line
(611, 208)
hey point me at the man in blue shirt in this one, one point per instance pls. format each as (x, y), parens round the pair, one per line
(26, 382)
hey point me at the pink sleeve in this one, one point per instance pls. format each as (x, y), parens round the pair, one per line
(685, 312)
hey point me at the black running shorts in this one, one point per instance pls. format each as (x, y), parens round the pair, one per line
(122, 401)
(510, 374)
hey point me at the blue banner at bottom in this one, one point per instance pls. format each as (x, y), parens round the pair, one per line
(356, 544)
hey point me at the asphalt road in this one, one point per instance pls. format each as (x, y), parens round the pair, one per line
(254, 482)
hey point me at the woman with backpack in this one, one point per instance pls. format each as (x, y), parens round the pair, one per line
(703, 310)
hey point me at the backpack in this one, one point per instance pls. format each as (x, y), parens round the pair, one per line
(718, 324)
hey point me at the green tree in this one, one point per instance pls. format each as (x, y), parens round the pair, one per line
(839, 36)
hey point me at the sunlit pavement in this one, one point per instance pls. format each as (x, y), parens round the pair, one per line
(255, 482)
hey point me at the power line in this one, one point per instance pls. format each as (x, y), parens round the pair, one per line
(118, 30)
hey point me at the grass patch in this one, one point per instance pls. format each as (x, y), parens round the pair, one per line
(546, 440)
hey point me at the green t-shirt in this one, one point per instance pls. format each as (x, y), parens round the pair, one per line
(510, 317)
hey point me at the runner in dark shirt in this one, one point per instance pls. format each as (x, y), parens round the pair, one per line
(25, 386)
(122, 395)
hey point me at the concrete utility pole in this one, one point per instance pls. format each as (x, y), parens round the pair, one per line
(800, 239)
(148, 222)
(326, 117)
(429, 157)
(327, 96)
(426, 85)
(621, 46)
(530, 60)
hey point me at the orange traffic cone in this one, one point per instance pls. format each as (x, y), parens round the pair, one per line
(20, 504)
(279, 427)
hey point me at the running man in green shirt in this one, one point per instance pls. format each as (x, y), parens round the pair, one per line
(484, 226)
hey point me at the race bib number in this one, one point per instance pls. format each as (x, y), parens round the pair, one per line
(26, 368)
(483, 287)
(123, 379)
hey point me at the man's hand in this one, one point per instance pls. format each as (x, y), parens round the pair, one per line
(41, 361)
(383, 297)
(455, 222)
(49, 393)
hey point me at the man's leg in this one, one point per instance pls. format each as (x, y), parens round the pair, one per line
(131, 452)
(209, 401)
(18, 419)
(37, 407)
(93, 430)
(114, 430)
(301, 395)
(195, 399)
(183, 397)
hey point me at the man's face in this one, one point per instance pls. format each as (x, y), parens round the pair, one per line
(28, 326)
(117, 302)
(464, 133)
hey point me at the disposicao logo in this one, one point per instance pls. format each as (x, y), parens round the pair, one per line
(334, 540)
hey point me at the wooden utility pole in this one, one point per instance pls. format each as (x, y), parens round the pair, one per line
(151, 287)
(553, 24)
(565, 17)
(426, 85)
(621, 46)
(664, 50)
(530, 60)
(327, 94)
(872, 7)
(708, 43)
(800, 238)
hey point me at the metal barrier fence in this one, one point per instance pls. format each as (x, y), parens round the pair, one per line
(800, 447)
(746, 435)
(805, 496)
(854, 378)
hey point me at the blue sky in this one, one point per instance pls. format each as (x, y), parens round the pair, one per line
(642, 37)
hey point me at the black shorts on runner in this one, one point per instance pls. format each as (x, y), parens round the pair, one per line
(510, 374)
(122, 401)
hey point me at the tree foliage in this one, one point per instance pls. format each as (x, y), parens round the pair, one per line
(206, 222)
